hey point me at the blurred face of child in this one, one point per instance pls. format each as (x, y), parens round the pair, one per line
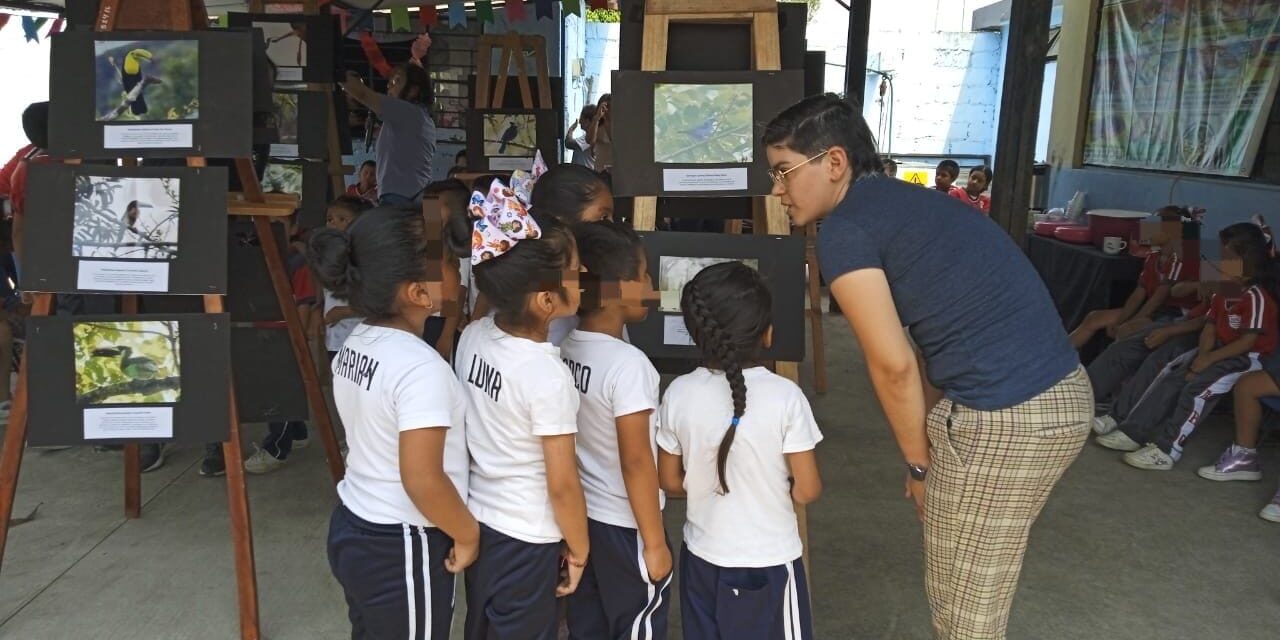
(977, 183)
(338, 218)
(600, 207)
(943, 179)
(461, 160)
(891, 169)
(1161, 232)
(634, 297)
(368, 175)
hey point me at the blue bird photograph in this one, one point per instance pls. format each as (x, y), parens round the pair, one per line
(146, 80)
(513, 135)
(703, 123)
(127, 362)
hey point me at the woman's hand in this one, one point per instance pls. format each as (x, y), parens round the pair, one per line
(915, 493)
(571, 569)
(462, 555)
(658, 561)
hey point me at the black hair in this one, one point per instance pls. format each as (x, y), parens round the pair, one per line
(355, 204)
(365, 264)
(35, 123)
(610, 252)
(527, 268)
(821, 122)
(458, 156)
(416, 77)
(1173, 210)
(564, 191)
(588, 112)
(368, 163)
(728, 308)
(949, 165)
(889, 162)
(1248, 241)
(984, 170)
(482, 183)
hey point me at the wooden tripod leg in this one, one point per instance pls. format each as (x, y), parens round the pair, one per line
(132, 452)
(15, 437)
(238, 510)
(301, 351)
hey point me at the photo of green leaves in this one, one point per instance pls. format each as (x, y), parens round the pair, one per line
(702, 123)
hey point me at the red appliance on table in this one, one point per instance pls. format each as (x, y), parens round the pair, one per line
(1074, 234)
(1046, 228)
(1120, 223)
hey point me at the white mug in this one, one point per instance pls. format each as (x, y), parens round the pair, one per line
(1111, 245)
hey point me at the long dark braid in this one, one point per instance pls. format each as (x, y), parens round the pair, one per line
(727, 308)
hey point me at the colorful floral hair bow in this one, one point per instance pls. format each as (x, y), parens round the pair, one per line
(500, 221)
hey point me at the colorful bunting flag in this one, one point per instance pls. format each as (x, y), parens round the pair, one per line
(428, 16)
(31, 26)
(543, 8)
(57, 26)
(4, 19)
(573, 6)
(374, 54)
(515, 10)
(400, 19)
(484, 10)
(457, 14)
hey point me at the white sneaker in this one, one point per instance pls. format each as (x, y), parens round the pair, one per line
(262, 462)
(1104, 424)
(1270, 512)
(300, 444)
(1150, 458)
(1118, 441)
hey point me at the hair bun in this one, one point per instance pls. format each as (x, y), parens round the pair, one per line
(329, 254)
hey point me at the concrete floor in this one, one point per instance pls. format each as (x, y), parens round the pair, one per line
(1118, 553)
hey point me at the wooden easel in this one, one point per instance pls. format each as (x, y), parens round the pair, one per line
(512, 46)
(769, 217)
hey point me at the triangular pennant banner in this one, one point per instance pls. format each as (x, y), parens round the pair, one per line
(515, 10)
(598, 4)
(374, 54)
(484, 10)
(573, 6)
(400, 19)
(57, 26)
(543, 8)
(428, 16)
(457, 14)
(4, 19)
(31, 26)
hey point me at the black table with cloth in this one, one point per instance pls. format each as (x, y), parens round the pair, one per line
(1081, 278)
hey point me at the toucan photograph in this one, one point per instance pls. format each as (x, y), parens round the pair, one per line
(510, 134)
(147, 80)
(126, 218)
(131, 362)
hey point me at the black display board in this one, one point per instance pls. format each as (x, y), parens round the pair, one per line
(105, 229)
(301, 46)
(307, 179)
(267, 381)
(301, 124)
(711, 47)
(121, 379)
(203, 109)
(484, 152)
(638, 172)
(780, 259)
(250, 296)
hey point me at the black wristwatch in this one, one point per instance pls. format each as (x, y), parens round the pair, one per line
(917, 472)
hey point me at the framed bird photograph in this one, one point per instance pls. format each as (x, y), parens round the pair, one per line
(696, 133)
(307, 179)
(127, 379)
(126, 230)
(674, 258)
(301, 47)
(508, 139)
(299, 118)
(151, 94)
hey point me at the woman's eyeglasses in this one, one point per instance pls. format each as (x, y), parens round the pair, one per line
(779, 176)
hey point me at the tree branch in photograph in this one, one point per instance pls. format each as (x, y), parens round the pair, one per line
(118, 329)
(512, 144)
(131, 97)
(140, 387)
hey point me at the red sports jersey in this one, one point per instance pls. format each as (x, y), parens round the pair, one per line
(981, 203)
(1156, 273)
(1253, 312)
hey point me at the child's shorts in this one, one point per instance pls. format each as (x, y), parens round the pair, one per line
(616, 600)
(393, 576)
(511, 589)
(744, 603)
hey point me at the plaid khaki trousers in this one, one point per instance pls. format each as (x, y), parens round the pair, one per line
(991, 473)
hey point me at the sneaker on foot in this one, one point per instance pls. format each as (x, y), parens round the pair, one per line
(214, 464)
(4, 411)
(1118, 441)
(262, 462)
(152, 457)
(1233, 465)
(1150, 458)
(1271, 511)
(301, 443)
(1104, 424)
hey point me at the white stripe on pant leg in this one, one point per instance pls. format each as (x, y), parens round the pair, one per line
(427, 609)
(1219, 387)
(642, 626)
(408, 580)
(789, 605)
(1168, 368)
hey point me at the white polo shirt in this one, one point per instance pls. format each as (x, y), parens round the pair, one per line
(386, 381)
(754, 525)
(614, 379)
(518, 392)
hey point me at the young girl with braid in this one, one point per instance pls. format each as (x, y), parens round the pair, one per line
(739, 441)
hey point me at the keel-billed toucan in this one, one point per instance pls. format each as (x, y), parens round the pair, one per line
(131, 75)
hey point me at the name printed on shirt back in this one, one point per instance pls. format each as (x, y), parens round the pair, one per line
(355, 366)
(485, 377)
(581, 375)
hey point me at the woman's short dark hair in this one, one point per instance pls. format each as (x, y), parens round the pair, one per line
(415, 77)
(728, 308)
(364, 265)
(610, 252)
(355, 204)
(564, 192)
(821, 122)
(35, 123)
(588, 112)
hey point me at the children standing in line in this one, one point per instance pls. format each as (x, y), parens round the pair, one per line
(523, 413)
(974, 191)
(739, 441)
(624, 589)
(944, 177)
(403, 528)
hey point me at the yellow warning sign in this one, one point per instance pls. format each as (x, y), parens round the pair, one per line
(915, 177)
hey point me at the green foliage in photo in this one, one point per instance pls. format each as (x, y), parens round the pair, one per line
(703, 123)
(127, 362)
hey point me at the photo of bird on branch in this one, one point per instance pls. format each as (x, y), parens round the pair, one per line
(151, 80)
(127, 362)
(703, 123)
(126, 218)
(510, 135)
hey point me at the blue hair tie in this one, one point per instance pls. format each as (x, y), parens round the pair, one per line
(734, 422)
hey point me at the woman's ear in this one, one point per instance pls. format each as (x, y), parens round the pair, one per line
(837, 163)
(766, 340)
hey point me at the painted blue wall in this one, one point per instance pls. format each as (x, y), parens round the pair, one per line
(1225, 201)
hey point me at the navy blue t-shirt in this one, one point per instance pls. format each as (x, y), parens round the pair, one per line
(989, 332)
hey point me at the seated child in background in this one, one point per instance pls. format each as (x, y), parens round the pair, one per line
(1240, 460)
(1241, 329)
(944, 177)
(974, 191)
(626, 582)
(1162, 268)
(739, 441)
(366, 187)
(890, 167)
